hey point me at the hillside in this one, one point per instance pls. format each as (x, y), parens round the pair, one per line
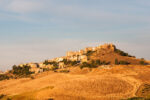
(109, 53)
(115, 83)
(94, 73)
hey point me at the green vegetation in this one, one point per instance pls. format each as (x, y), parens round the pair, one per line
(3, 77)
(22, 71)
(89, 65)
(46, 69)
(64, 71)
(69, 62)
(124, 63)
(54, 68)
(116, 62)
(50, 99)
(146, 89)
(121, 62)
(89, 53)
(137, 98)
(2, 96)
(142, 62)
(122, 53)
(93, 64)
(46, 62)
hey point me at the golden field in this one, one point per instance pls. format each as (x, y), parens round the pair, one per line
(109, 82)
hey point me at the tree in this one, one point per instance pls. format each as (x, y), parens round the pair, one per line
(22, 71)
(142, 62)
(116, 61)
(98, 62)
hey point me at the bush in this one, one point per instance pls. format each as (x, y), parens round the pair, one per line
(55, 68)
(142, 62)
(32, 77)
(54, 63)
(137, 98)
(1, 96)
(121, 62)
(3, 77)
(124, 63)
(69, 62)
(89, 53)
(22, 71)
(105, 63)
(122, 53)
(116, 62)
(98, 62)
(64, 71)
(46, 69)
(85, 64)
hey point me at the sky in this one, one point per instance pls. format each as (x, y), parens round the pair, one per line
(36, 30)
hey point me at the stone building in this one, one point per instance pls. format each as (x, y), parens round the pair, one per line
(83, 58)
(36, 70)
(61, 65)
(107, 46)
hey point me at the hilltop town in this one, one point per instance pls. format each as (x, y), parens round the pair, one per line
(106, 54)
(94, 73)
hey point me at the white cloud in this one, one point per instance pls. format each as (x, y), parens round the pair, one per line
(23, 6)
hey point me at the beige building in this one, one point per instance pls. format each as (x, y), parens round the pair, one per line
(59, 59)
(36, 70)
(83, 58)
(41, 65)
(61, 65)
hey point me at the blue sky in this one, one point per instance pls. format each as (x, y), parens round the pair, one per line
(35, 30)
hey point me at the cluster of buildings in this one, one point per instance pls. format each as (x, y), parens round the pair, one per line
(80, 56)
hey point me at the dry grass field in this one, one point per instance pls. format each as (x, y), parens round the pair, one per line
(102, 83)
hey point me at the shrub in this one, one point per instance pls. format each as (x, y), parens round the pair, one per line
(22, 71)
(69, 62)
(105, 63)
(1, 96)
(98, 62)
(136, 98)
(54, 68)
(54, 63)
(89, 53)
(45, 69)
(32, 77)
(124, 63)
(64, 71)
(46, 62)
(89, 65)
(122, 53)
(3, 77)
(8, 99)
(116, 62)
(50, 99)
(73, 63)
(142, 62)
(121, 62)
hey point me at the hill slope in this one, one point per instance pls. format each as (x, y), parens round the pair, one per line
(114, 83)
